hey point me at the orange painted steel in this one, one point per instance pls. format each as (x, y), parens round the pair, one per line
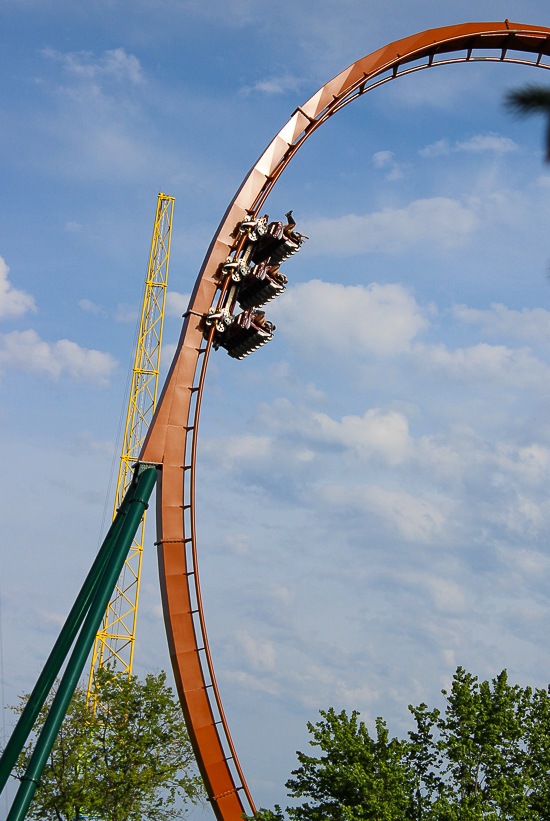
(172, 437)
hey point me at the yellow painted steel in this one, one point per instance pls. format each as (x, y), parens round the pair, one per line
(115, 640)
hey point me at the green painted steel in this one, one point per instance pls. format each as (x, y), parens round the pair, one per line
(131, 519)
(62, 645)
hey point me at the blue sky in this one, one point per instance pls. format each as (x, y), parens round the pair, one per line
(373, 503)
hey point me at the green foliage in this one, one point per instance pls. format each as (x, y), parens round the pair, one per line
(267, 815)
(486, 757)
(531, 99)
(132, 760)
(358, 777)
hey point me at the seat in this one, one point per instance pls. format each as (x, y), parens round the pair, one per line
(248, 332)
(260, 286)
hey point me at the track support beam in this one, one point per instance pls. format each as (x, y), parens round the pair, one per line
(106, 571)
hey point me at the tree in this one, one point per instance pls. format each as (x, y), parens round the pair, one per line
(531, 99)
(130, 760)
(486, 757)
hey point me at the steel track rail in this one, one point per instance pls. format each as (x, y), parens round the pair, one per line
(173, 434)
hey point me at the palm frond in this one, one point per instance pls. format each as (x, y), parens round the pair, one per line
(528, 100)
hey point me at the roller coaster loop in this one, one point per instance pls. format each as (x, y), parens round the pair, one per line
(172, 437)
(170, 448)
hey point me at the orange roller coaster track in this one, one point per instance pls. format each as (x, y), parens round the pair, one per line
(172, 437)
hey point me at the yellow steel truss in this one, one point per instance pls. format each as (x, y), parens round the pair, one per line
(114, 643)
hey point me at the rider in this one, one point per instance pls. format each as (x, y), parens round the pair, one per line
(274, 272)
(290, 233)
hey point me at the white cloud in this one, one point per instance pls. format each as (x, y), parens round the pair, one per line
(115, 63)
(441, 221)
(445, 459)
(96, 124)
(529, 464)
(381, 319)
(235, 450)
(446, 594)
(90, 307)
(87, 440)
(414, 518)
(438, 149)
(12, 301)
(385, 159)
(487, 363)
(251, 682)
(395, 172)
(529, 323)
(167, 353)
(56, 619)
(459, 455)
(382, 159)
(176, 304)
(260, 653)
(487, 142)
(100, 146)
(529, 562)
(441, 90)
(475, 144)
(126, 313)
(240, 544)
(384, 320)
(73, 227)
(25, 350)
(322, 684)
(280, 593)
(374, 432)
(275, 85)
(523, 516)
(385, 434)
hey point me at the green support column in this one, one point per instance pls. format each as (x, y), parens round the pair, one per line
(62, 645)
(136, 507)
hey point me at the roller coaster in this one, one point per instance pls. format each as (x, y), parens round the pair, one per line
(241, 270)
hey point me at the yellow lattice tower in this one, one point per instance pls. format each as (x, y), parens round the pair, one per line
(114, 643)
